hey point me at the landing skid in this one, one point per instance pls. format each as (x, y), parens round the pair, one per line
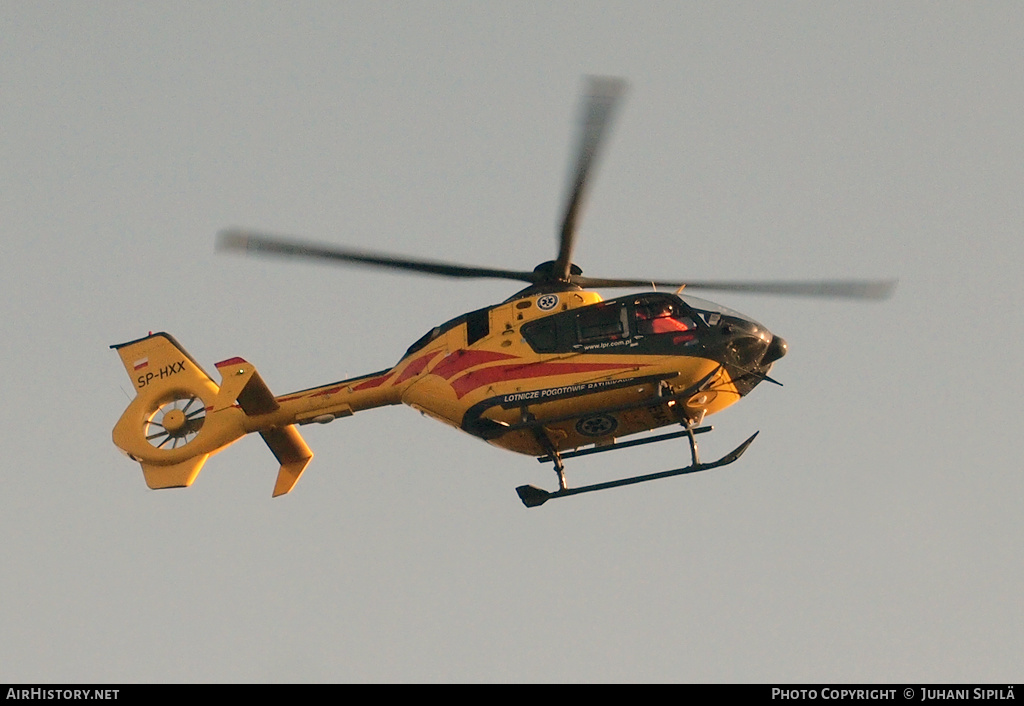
(533, 496)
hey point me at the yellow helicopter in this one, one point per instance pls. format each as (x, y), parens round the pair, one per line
(554, 372)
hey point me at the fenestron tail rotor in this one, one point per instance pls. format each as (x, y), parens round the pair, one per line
(175, 423)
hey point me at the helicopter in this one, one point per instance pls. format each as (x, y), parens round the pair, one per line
(555, 371)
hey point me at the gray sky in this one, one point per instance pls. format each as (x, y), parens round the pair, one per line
(871, 533)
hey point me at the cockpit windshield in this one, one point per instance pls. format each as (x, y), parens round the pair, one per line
(711, 307)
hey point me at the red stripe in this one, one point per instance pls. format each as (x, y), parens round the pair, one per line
(231, 361)
(416, 367)
(372, 382)
(365, 385)
(461, 360)
(328, 391)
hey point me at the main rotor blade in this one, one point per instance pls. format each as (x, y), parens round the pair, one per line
(603, 96)
(845, 289)
(263, 243)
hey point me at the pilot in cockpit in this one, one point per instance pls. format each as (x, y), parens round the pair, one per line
(661, 317)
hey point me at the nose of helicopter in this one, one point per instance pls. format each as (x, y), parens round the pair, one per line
(776, 349)
(752, 346)
(751, 352)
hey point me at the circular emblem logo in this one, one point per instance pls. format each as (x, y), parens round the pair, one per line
(547, 302)
(598, 425)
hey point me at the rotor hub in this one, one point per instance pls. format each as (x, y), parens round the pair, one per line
(547, 268)
(174, 422)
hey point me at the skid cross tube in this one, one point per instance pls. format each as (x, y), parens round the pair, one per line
(533, 496)
(627, 444)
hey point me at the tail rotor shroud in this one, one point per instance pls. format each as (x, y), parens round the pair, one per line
(180, 416)
(175, 423)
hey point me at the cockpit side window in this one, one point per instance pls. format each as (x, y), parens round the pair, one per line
(542, 335)
(604, 322)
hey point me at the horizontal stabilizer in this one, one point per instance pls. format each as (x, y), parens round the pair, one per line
(291, 452)
(180, 475)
